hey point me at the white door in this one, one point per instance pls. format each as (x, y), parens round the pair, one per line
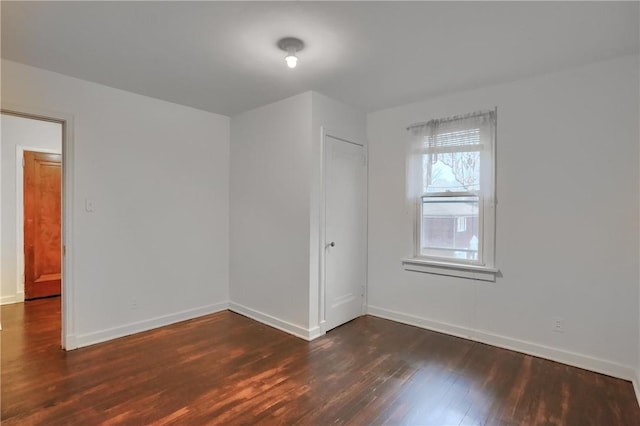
(345, 221)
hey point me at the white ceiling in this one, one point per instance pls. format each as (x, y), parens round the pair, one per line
(222, 56)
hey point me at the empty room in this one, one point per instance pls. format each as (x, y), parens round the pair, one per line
(313, 213)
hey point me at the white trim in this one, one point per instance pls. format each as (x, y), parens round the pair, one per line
(20, 149)
(322, 312)
(72, 342)
(636, 385)
(365, 291)
(441, 327)
(486, 207)
(575, 359)
(322, 241)
(323, 327)
(12, 298)
(145, 325)
(68, 129)
(315, 332)
(271, 321)
(463, 270)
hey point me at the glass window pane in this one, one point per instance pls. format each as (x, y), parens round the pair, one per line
(450, 227)
(451, 171)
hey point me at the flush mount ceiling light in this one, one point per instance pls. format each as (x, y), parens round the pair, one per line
(291, 45)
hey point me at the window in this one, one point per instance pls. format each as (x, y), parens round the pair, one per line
(451, 182)
(461, 222)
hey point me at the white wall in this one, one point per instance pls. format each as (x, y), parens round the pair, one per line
(270, 179)
(158, 175)
(567, 219)
(275, 207)
(343, 121)
(27, 133)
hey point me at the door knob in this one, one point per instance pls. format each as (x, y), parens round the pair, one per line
(332, 244)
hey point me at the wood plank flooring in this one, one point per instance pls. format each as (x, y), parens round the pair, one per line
(227, 369)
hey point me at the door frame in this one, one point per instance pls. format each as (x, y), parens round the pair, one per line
(20, 149)
(67, 328)
(322, 312)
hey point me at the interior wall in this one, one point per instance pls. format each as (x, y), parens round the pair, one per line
(275, 207)
(27, 133)
(567, 220)
(270, 175)
(155, 250)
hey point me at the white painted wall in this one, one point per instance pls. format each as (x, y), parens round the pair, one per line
(27, 133)
(347, 123)
(275, 207)
(567, 219)
(158, 174)
(270, 181)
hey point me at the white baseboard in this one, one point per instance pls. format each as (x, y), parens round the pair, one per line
(81, 340)
(442, 327)
(636, 385)
(70, 343)
(315, 332)
(271, 321)
(12, 298)
(7, 300)
(565, 357)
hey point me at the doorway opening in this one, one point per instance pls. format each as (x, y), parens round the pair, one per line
(35, 210)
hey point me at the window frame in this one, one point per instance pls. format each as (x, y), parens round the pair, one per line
(484, 267)
(417, 238)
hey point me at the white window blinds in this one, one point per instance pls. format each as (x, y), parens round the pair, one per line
(451, 155)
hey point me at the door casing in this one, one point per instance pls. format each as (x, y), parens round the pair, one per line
(324, 133)
(68, 340)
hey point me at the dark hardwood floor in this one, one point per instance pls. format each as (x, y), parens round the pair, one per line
(227, 369)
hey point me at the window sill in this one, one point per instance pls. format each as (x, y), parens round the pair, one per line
(461, 270)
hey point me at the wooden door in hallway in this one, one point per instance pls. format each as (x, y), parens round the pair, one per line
(42, 224)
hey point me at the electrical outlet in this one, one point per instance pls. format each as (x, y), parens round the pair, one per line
(134, 304)
(89, 205)
(558, 325)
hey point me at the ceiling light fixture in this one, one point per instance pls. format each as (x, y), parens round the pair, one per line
(291, 45)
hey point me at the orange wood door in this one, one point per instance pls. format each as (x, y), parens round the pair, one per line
(42, 225)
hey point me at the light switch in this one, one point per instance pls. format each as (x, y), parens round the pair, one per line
(89, 205)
